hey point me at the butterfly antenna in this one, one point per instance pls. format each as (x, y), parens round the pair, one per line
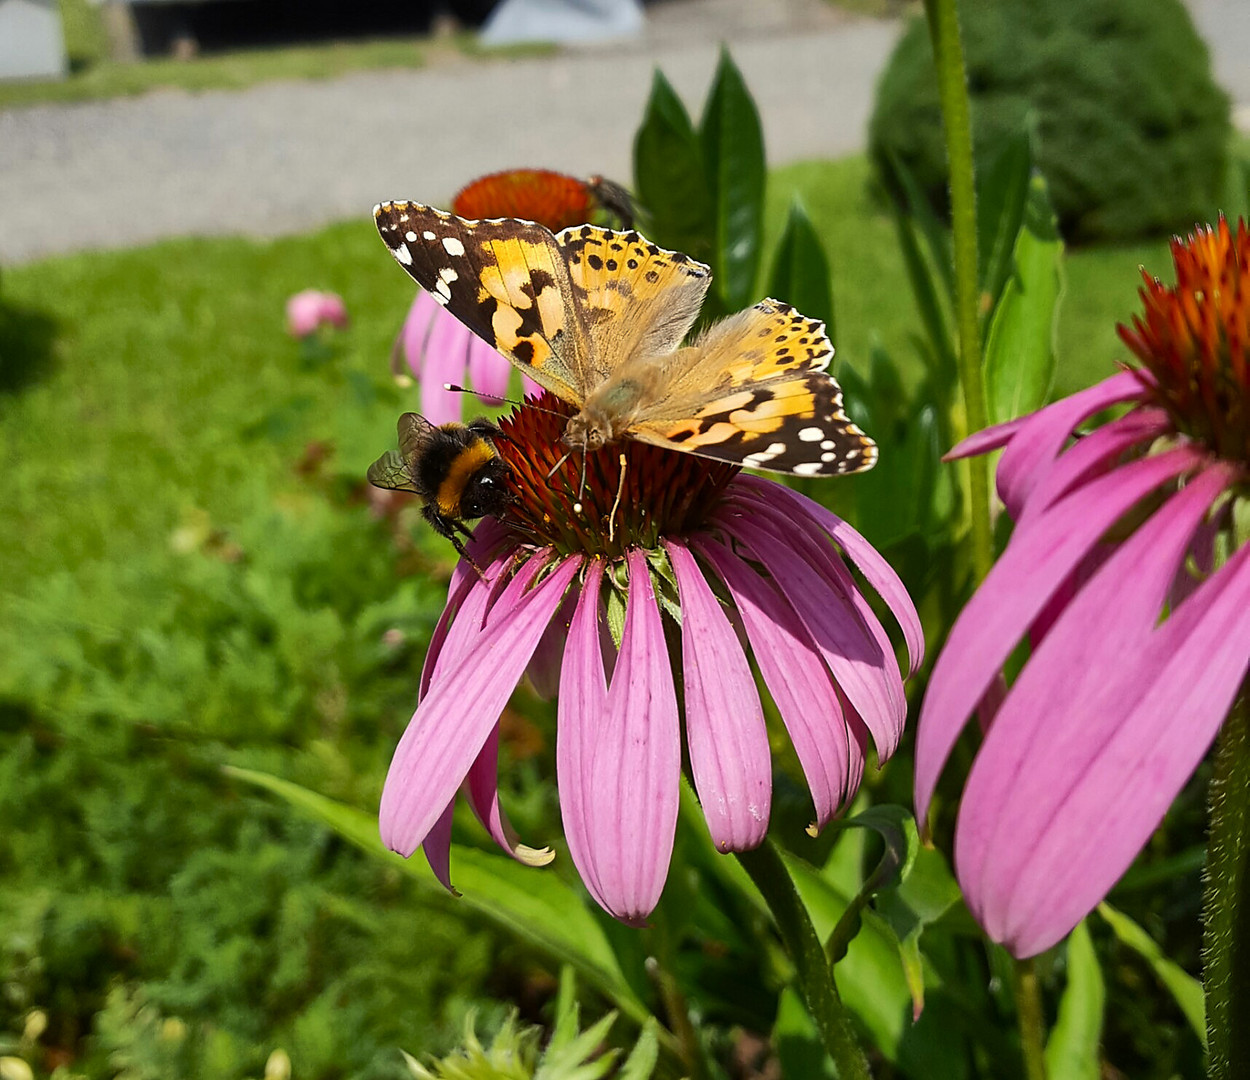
(457, 389)
(620, 488)
(581, 487)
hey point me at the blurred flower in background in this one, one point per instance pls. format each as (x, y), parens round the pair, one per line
(434, 347)
(1127, 574)
(667, 570)
(310, 310)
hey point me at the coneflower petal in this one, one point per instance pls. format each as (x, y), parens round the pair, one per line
(482, 789)
(488, 370)
(867, 559)
(437, 847)
(725, 730)
(582, 704)
(635, 766)
(446, 360)
(1032, 452)
(1143, 735)
(854, 655)
(797, 678)
(414, 334)
(461, 708)
(1014, 593)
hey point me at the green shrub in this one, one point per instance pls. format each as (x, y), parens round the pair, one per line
(1129, 128)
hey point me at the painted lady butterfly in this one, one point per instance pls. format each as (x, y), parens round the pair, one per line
(597, 317)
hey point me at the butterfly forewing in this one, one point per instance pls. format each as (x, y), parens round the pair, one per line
(637, 299)
(504, 279)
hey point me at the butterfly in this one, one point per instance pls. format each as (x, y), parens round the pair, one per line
(598, 318)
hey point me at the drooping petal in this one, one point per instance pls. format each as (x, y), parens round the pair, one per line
(482, 789)
(1093, 454)
(635, 764)
(446, 358)
(1034, 751)
(866, 673)
(410, 345)
(1014, 592)
(458, 713)
(987, 439)
(548, 659)
(1154, 721)
(437, 848)
(529, 387)
(877, 572)
(488, 371)
(1032, 451)
(582, 704)
(796, 677)
(725, 730)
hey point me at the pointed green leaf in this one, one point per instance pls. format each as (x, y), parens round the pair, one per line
(1072, 1049)
(669, 175)
(532, 904)
(1184, 988)
(640, 1065)
(1000, 210)
(801, 275)
(1020, 347)
(733, 156)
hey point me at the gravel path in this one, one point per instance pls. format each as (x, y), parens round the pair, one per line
(286, 157)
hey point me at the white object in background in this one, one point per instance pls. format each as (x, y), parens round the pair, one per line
(31, 43)
(562, 21)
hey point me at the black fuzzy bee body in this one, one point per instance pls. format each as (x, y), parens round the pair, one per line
(454, 469)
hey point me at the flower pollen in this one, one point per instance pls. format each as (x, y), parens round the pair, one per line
(1195, 339)
(654, 494)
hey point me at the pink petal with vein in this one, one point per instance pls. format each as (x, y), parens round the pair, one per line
(797, 679)
(1014, 592)
(488, 371)
(482, 788)
(866, 672)
(1093, 454)
(581, 706)
(1030, 454)
(548, 658)
(437, 848)
(446, 357)
(1111, 617)
(878, 573)
(458, 713)
(729, 754)
(416, 331)
(987, 439)
(1130, 746)
(635, 765)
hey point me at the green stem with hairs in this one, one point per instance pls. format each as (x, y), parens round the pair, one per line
(952, 78)
(1029, 1020)
(1226, 902)
(815, 977)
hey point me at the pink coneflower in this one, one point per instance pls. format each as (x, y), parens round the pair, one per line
(310, 310)
(436, 348)
(1124, 575)
(705, 566)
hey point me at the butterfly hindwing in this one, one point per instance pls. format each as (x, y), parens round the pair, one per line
(504, 279)
(637, 299)
(753, 391)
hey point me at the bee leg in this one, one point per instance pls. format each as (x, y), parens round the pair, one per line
(446, 528)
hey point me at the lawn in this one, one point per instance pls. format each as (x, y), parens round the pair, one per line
(191, 577)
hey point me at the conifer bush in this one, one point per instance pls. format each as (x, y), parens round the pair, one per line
(1129, 128)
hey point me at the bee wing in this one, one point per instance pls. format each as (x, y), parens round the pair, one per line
(391, 471)
(415, 432)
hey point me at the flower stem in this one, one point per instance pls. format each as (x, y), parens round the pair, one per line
(952, 78)
(815, 977)
(1226, 904)
(1029, 1018)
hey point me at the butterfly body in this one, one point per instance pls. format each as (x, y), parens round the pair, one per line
(453, 468)
(598, 318)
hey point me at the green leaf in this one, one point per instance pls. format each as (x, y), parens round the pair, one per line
(1000, 210)
(733, 156)
(1072, 1049)
(640, 1065)
(796, 1041)
(533, 905)
(1020, 347)
(801, 275)
(1184, 988)
(931, 293)
(669, 175)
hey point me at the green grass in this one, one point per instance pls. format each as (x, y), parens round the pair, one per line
(94, 76)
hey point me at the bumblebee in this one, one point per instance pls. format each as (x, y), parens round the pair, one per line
(454, 468)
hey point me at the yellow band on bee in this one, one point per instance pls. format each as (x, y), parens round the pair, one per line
(465, 464)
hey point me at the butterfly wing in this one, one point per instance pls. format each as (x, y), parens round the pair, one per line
(505, 279)
(753, 391)
(636, 299)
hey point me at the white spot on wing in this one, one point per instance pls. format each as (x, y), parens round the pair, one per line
(452, 245)
(410, 236)
(428, 235)
(812, 434)
(403, 254)
(807, 468)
